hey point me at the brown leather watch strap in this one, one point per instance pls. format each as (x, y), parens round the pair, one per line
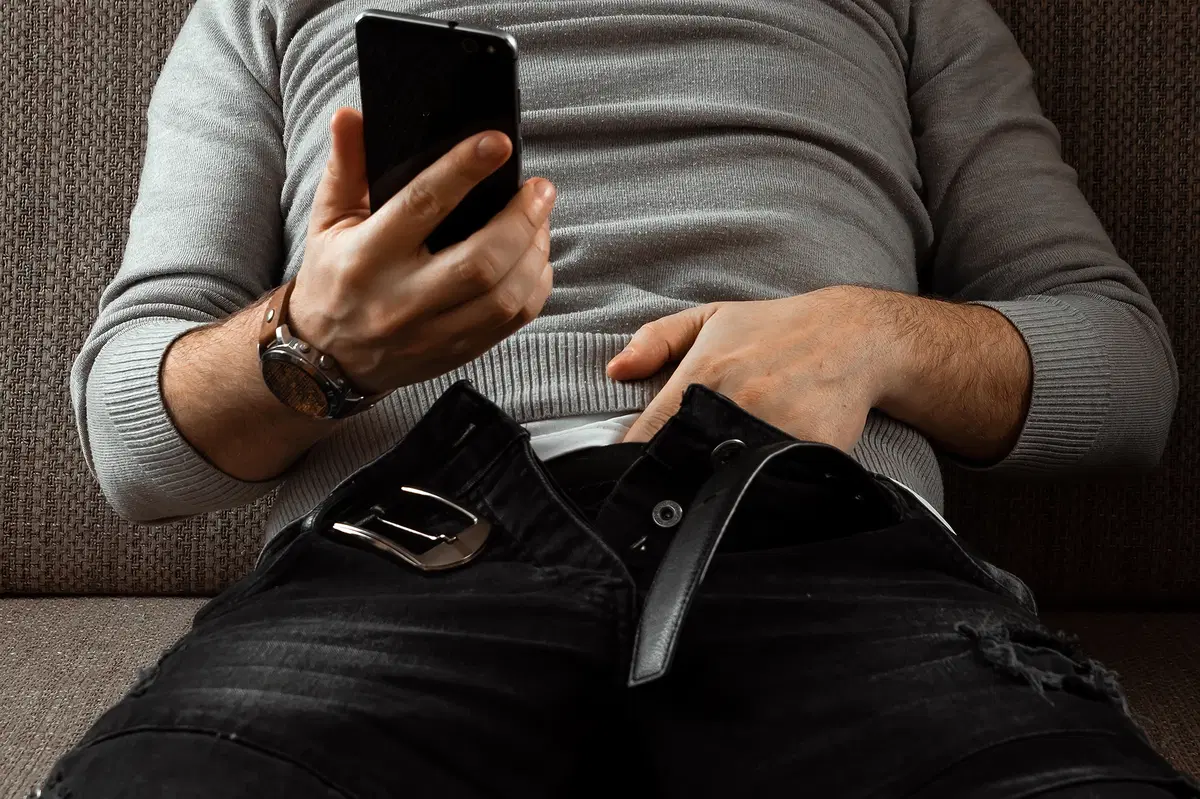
(273, 314)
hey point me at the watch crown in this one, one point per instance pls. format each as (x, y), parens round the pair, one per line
(324, 362)
(300, 345)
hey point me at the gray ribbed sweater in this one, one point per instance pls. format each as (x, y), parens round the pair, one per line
(703, 150)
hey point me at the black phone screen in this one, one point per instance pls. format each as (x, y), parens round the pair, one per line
(425, 87)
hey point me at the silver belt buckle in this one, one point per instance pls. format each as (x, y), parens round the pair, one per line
(448, 551)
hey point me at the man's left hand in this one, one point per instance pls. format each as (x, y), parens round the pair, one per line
(812, 365)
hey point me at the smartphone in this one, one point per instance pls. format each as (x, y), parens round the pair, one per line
(426, 85)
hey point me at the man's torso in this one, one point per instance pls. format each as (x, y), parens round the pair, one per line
(703, 151)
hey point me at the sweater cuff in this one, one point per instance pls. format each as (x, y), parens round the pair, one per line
(1072, 385)
(165, 477)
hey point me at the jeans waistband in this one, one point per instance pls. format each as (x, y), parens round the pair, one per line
(468, 450)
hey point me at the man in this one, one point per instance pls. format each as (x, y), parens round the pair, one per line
(741, 589)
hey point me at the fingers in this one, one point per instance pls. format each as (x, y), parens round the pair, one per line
(664, 405)
(342, 192)
(476, 267)
(407, 219)
(513, 302)
(533, 307)
(660, 342)
(671, 338)
(517, 224)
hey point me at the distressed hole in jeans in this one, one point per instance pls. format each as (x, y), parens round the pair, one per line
(1045, 660)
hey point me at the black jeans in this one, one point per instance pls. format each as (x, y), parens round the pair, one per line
(842, 644)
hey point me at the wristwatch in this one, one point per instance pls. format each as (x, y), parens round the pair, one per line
(298, 374)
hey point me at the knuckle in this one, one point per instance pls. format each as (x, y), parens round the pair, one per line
(658, 417)
(477, 271)
(421, 202)
(708, 364)
(506, 304)
(533, 306)
(529, 220)
(351, 270)
(531, 309)
(378, 326)
(653, 329)
(530, 217)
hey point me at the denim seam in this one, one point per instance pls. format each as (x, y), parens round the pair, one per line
(1091, 732)
(622, 571)
(235, 741)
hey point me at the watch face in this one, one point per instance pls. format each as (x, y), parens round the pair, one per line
(295, 387)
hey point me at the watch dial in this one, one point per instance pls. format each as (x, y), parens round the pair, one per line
(295, 387)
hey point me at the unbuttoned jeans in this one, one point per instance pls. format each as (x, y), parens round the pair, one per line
(839, 646)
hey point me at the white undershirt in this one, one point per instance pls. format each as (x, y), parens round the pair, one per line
(553, 437)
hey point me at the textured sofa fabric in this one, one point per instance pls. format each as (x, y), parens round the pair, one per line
(69, 168)
(63, 662)
(1119, 79)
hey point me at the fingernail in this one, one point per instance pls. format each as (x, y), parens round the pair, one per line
(490, 147)
(546, 192)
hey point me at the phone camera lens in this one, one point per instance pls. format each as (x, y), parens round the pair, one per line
(491, 49)
(470, 45)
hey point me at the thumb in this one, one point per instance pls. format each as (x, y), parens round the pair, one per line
(660, 342)
(343, 190)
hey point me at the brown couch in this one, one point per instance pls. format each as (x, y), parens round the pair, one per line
(1119, 77)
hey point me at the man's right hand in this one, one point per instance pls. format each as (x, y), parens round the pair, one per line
(370, 293)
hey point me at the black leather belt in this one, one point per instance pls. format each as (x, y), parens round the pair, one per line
(692, 548)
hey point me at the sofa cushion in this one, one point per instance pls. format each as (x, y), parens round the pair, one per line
(70, 157)
(64, 661)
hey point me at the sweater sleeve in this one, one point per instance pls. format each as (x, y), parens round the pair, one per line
(205, 240)
(1014, 232)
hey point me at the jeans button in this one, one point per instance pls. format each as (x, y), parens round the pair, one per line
(725, 451)
(667, 513)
